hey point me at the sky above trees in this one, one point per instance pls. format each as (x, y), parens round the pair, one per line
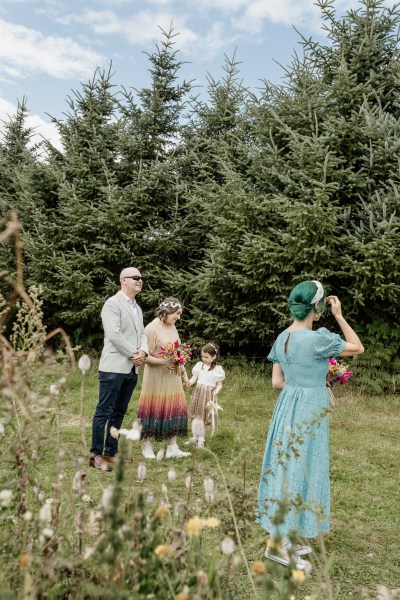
(47, 47)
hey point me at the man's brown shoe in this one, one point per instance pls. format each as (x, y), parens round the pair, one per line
(98, 462)
(110, 459)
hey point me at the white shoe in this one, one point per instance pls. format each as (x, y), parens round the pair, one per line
(191, 441)
(175, 452)
(284, 559)
(300, 549)
(148, 451)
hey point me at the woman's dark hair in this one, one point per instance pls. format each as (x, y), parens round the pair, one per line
(300, 300)
(167, 307)
(213, 350)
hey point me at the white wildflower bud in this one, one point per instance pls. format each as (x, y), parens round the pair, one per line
(383, 593)
(48, 532)
(189, 481)
(5, 498)
(209, 497)
(41, 496)
(133, 435)
(86, 498)
(228, 546)
(137, 426)
(160, 454)
(54, 391)
(1, 429)
(88, 552)
(202, 578)
(27, 516)
(45, 513)
(84, 363)
(164, 489)
(236, 560)
(171, 475)
(62, 380)
(208, 485)
(178, 507)
(198, 428)
(149, 499)
(141, 471)
(114, 433)
(107, 497)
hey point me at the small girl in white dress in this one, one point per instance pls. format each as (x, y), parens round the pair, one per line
(209, 377)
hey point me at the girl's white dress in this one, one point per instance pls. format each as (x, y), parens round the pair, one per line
(207, 380)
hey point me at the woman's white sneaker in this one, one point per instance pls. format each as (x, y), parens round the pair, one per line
(284, 559)
(174, 451)
(300, 549)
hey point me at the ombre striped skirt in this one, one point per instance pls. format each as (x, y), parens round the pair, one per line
(162, 404)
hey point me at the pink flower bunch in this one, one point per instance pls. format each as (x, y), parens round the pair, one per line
(338, 372)
(177, 353)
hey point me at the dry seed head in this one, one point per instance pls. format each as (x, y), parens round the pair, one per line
(228, 546)
(114, 433)
(84, 363)
(160, 454)
(141, 471)
(171, 475)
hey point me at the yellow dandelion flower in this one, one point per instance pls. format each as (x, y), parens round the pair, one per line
(163, 550)
(25, 560)
(258, 568)
(194, 525)
(212, 522)
(182, 596)
(161, 511)
(298, 576)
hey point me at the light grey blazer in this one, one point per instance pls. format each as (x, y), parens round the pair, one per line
(121, 336)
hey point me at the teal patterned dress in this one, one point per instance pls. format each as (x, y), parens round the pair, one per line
(301, 470)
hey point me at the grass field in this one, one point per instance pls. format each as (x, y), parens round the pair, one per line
(365, 456)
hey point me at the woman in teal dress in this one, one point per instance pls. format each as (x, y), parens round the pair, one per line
(295, 470)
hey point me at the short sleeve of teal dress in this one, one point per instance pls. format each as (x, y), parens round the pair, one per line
(272, 355)
(328, 344)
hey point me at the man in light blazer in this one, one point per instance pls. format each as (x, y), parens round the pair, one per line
(125, 348)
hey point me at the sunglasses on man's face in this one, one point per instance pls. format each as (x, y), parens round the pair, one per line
(134, 277)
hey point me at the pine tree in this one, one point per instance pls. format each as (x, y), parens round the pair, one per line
(323, 166)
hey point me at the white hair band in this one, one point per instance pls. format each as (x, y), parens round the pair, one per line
(319, 294)
(170, 305)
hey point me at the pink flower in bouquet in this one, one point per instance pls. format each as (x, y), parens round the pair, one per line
(338, 372)
(177, 353)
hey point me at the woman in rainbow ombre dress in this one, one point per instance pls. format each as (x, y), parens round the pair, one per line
(162, 404)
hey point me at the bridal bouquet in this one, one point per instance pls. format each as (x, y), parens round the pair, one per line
(338, 373)
(177, 353)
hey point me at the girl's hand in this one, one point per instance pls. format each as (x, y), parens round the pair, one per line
(169, 364)
(336, 307)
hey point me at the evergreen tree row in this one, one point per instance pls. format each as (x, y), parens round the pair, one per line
(227, 200)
